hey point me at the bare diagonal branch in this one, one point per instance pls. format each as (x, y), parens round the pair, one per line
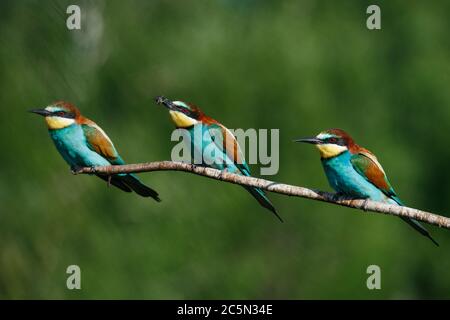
(275, 187)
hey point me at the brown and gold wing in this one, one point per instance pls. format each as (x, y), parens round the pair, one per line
(99, 142)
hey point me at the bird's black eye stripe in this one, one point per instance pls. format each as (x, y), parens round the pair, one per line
(335, 140)
(189, 113)
(332, 140)
(64, 114)
(182, 110)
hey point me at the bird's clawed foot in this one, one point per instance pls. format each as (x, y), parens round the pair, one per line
(109, 181)
(76, 170)
(189, 163)
(338, 196)
(93, 171)
(225, 170)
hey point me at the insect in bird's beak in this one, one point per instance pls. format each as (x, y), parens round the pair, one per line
(312, 140)
(41, 112)
(165, 102)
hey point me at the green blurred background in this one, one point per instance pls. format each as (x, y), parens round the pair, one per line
(301, 66)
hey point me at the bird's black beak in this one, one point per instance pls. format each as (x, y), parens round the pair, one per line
(165, 102)
(312, 140)
(41, 112)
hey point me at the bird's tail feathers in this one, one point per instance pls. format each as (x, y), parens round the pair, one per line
(417, 226)
(137, 186)
(263, 200)
(115, 181)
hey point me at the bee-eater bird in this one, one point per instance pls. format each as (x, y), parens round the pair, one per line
(82, 143)
(227, 154)
(354, 171)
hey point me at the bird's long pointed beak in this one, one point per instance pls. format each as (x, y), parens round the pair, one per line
(41, 112)
(312, 140)
(165, 102)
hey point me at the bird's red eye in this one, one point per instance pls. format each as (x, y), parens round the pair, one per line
(332, 140)
(60, 113)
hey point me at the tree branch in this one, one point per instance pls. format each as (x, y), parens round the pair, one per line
(290, 190)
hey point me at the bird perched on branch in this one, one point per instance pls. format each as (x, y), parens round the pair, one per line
(82, 143)
(217, 147)
(355, 171)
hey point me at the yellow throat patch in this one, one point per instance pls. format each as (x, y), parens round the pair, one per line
(330, 150)
(55, 123)
(181, 120)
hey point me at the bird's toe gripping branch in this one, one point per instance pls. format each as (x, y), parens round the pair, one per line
(335, 197)
(93, 170)
(220, 176)
(76, 170)
(80, 170)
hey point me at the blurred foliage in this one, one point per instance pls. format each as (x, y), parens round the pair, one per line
(301, 66)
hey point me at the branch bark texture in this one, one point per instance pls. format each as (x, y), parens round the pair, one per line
(275, 187)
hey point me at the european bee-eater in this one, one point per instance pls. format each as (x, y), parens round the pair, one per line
(226, 155)
(355, 171)
(82, 143)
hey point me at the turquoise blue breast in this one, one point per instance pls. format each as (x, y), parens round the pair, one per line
(345, 179)
(71, 144)
(204, 149)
